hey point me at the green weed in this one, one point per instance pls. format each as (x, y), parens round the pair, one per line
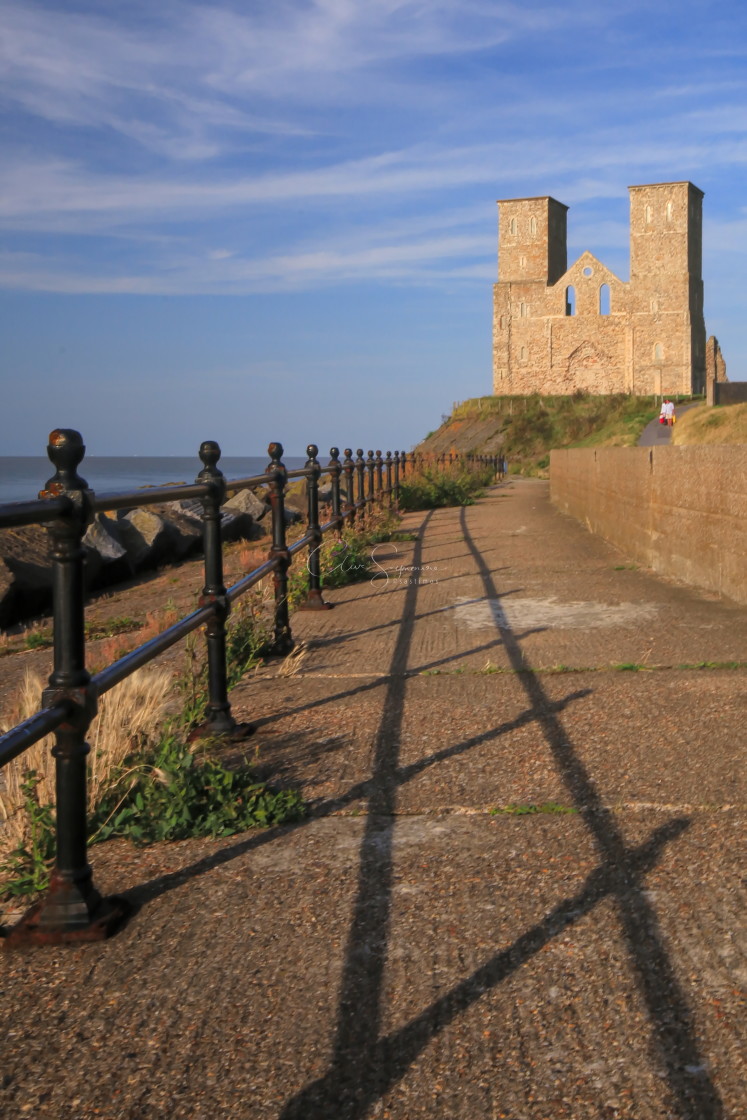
(26, 868)
(173, 794)
(714, 665)
(516, 810)
(111, 627)
(456, 485)
(38, 639)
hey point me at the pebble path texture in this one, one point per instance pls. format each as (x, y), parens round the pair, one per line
(519, 890)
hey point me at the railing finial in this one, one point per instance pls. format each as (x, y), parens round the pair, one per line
(65, 450)
(209, 453)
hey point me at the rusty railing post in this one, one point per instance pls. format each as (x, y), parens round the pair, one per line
(360, 467)
(334, 468)
(72, 909)
(370, 467)
(403, 461)
(314, 600)
(396, 478)
(379, 476)
(388, 491)
(348, 467)
(283, 642)
(218, 718)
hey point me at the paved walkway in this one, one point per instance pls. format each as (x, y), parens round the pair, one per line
(420, 947)
(656, 434)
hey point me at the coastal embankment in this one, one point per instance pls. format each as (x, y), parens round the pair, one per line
(124, 546)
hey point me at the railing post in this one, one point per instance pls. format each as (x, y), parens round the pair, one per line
(396, 478)
(334, 467)
(360, 467)
(389, 464)
(283, 642)
(348, 467)
(379, 476)
(370, 467)
(314, 600)
(219, 720)
(72, 909)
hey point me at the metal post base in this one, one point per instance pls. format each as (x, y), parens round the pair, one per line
(36, 926)
(231, 734)
(315, 602)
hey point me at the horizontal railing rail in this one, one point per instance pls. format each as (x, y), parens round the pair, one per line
(72, 908)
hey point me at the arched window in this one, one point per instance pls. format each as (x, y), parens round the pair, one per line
(523, 310)
(669, 211)
(649, 215)
(570, 300)
(523, 354)
(502, 322)
(512, 227)
(658, 352)
(604, 299)
(654, 305)
(522, 262)
(533, 226)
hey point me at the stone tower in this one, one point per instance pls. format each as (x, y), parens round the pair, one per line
(558, 329)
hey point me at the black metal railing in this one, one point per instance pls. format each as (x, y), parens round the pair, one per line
(72, 909)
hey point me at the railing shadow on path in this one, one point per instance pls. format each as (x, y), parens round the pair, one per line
(365, 1064)
(147, 892)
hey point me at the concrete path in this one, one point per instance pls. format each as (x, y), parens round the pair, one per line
(517, 893)
(656, 434)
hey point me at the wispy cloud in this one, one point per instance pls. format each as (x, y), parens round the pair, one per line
(195, 134)
(180, 78)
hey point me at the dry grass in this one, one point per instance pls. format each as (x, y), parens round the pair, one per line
(129, 716)
(294, 662)
(726, 424)
(110, 650)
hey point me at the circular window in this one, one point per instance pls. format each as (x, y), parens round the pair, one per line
(588, 271)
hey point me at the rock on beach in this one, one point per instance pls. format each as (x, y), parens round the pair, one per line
(117, 548)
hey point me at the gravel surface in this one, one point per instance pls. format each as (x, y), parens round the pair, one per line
(519, 891)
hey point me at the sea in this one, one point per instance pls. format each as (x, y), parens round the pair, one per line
(23, 476)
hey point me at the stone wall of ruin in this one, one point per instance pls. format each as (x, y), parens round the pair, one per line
(645, 335)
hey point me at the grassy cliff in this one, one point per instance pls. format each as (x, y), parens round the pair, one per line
(723, 424)
(525, 429)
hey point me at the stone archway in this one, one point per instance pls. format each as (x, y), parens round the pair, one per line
(588, 369)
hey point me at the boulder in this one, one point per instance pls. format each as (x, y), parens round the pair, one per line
(191, 507)
(106, 557)
(7, 595)
(145, 537)
(25, 554)
(246, 501)
(237, 526)
(183, 528)
(295, 498)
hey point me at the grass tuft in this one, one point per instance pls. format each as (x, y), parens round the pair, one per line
(517, 810)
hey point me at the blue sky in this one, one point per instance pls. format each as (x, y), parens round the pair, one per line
(255, 221)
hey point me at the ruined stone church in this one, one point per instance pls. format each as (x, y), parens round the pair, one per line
(558, 329)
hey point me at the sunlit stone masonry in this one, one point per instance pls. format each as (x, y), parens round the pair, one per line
(558, 329)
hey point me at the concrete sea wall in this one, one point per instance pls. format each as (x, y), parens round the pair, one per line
(679, 510)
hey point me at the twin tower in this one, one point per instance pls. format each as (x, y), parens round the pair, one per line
(558, 329)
